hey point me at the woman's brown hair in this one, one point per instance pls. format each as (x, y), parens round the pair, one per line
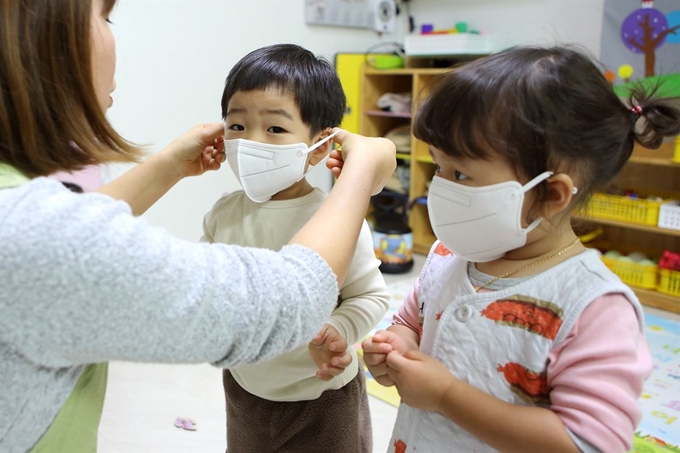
(50, 118)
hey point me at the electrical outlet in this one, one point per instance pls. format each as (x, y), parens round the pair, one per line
(384, 15)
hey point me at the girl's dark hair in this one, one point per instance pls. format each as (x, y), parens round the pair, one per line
(542, 109)
(311, 81)
(50, 118)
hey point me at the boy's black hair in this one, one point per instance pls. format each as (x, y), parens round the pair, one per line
(311, 81)
(540, 108)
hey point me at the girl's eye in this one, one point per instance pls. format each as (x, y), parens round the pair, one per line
(460, 176)
(276, 130)
(236, 127)
(108, 21)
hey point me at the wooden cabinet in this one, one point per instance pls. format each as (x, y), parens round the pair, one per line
(653, 171)
(377, 123)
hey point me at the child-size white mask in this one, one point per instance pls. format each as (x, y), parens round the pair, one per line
(265, 170)
(480, 224)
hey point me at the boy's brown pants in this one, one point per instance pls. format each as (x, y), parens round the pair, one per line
(339, 421)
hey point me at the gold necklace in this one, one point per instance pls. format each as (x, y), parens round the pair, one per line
(540, 260)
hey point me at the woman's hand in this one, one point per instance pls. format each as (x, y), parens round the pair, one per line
(192, 154)
(198, 150)
(373, 157)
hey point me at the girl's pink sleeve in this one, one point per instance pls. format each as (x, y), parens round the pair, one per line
(408, 313)
(596, 374)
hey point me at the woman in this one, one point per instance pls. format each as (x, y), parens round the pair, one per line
(83, 281)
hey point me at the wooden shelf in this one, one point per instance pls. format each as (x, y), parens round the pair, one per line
(657, 299)
(631, 226)
(404, 71)
(406, 115)
(660, 161)
(663, 156)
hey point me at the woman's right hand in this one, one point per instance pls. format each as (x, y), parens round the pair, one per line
(375, 157)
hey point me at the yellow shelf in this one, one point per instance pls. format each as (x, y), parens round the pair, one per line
(631, 226)
(403, 156)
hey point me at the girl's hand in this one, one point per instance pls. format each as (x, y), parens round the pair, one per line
(328, 350)
(421, 380)
(376, 349)
(374, 157)
(198, 150)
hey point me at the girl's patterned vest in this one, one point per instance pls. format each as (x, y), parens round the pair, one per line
(497, 341)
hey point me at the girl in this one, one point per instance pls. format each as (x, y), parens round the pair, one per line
(515, 337)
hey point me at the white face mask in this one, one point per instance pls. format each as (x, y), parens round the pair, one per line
(480, 224)
(265, 170)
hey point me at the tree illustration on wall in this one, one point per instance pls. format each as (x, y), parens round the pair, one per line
(644, 31)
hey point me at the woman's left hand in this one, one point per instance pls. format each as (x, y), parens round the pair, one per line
(198, 150)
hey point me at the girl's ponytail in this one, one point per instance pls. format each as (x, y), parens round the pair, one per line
(661, 116)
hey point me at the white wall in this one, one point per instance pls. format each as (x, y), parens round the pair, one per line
(173, 57)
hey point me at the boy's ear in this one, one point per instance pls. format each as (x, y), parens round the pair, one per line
(322, 151)
(561, 190)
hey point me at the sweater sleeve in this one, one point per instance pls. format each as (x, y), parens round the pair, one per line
(85, 282)
(365, 298)
(408, 314)
(596, 374)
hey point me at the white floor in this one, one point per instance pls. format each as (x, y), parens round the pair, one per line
(143, 401)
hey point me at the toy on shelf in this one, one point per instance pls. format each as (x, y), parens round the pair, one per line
(459, 40)
(669, 273)
(395, 103)
(392, 236)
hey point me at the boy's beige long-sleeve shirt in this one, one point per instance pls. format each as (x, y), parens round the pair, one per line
(235, 219)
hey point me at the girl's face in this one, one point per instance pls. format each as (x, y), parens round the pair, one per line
(103, 55)
(472, 172)
(478, 173)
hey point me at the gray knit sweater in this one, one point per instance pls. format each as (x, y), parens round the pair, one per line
(82, 281)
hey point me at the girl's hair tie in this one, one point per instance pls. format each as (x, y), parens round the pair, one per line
(636, 109)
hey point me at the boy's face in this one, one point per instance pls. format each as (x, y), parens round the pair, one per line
(265, 116)
(272, 117)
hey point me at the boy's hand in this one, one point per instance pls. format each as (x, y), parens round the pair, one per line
(421, 380)
(328, 350)
(376, 349)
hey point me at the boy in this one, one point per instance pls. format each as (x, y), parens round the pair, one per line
(280, 104)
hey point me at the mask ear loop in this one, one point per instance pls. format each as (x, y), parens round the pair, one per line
(319, 143)
(315, 146)
(527, 187)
